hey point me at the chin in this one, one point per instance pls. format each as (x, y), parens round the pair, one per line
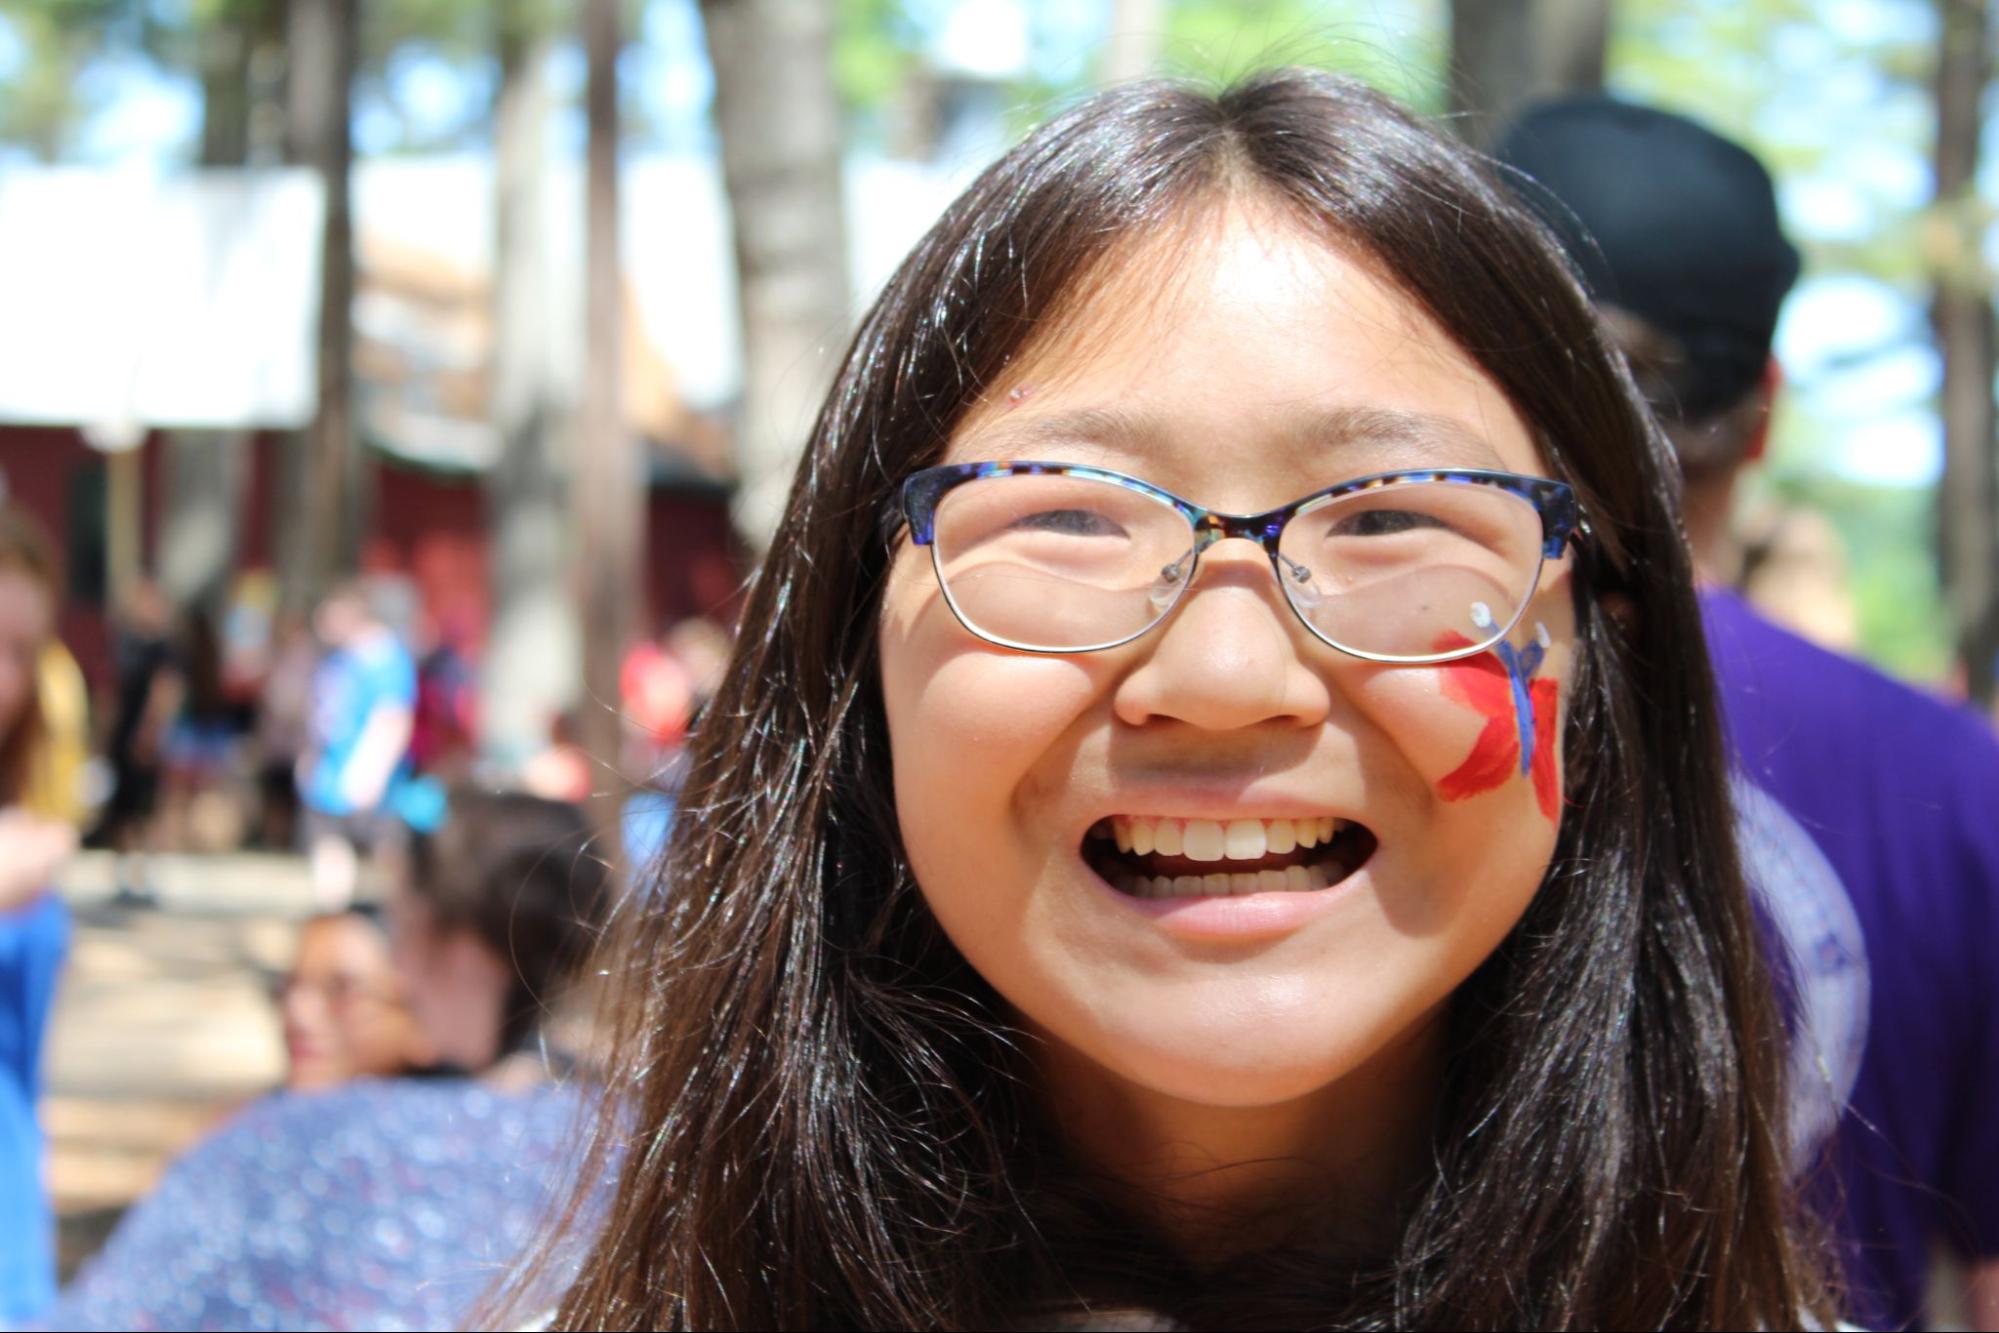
(313, 1079)
(1266, 1059)
(1274, 1080)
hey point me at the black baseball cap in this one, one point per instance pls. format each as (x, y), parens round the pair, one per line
(1666, 220)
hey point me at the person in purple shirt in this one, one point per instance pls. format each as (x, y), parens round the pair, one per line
(1676, 231)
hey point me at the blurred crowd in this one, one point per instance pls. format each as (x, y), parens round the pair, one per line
(452, 899)
(331, 733)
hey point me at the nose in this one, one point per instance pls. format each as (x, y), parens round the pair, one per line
(300, 1006)
(1231, 655)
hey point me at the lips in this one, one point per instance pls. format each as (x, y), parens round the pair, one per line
(1151, 856)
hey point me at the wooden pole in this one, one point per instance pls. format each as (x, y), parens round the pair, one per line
(609, 484)
(531, 666)
(1506, 53)
(124, 520)
(322, 49)
(1961, 314)
(778, 116)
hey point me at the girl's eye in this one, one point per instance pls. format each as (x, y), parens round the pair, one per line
(1069, 523)
(1384, 523)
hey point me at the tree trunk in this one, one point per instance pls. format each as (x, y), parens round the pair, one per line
(530, 672)
(1506, 53)
(1132, 49)
(1961, 313)
(198, 524)
(226, 46)
(321, 45)
(779, 122)
(204, 467)
(610, 484)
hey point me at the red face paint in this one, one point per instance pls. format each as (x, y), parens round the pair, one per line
(1481, 683)
(1547, 783)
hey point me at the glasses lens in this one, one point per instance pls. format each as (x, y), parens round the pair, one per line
(1414, 568)
(1059, 563)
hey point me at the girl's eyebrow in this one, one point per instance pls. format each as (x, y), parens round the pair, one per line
(1400, 435)
(1421, 438)
(1107, 426)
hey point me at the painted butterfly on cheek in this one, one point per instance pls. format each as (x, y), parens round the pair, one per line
(1520, 714)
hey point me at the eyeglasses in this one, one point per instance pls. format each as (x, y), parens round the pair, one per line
(338, 991)
(1417, 566)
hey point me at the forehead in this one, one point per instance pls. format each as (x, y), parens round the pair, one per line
(1243, 362)
(340, 941)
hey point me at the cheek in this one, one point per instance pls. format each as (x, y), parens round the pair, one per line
(977, 735)
(1489, 787)
(1486, 726)
(415, 963)
(372, 1028)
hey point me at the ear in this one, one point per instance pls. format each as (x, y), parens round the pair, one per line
(1767, 386)
(467, 960)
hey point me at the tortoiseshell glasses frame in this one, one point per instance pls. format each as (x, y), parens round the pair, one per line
(1553, 503)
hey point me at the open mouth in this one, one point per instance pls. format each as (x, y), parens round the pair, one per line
(1155, 857)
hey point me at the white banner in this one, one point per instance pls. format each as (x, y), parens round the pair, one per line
(180, 301)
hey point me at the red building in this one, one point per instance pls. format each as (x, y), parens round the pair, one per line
(421, 356)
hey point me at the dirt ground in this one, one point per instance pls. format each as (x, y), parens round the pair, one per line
(162, 1023)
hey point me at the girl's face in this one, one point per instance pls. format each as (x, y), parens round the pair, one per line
(1243, 369)
(26, 621)
(342, 1006)
(455, 986)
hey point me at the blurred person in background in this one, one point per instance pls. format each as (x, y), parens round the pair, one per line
(200, 747)
(656, 697)
(562, 769)
(391, 1203)
(146, 684)
(342, 1005)
(361, 709)
(1676, 231)
(55, 774)
(283, 729)
(444, 736)
(34, 926)
(666, 685)
(702, 647)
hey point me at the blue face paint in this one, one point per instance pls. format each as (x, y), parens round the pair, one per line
(1521, 664)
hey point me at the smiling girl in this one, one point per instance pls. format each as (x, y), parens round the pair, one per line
(1216, 817)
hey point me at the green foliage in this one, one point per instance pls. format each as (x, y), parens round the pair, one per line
(45, 103)
(875, 48)
(1219, 40)
(1887, 532)
(879, 50)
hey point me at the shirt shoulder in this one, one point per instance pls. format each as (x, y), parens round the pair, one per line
(391, 1202)
(1781, 693)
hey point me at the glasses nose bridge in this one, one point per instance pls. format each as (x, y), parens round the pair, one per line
(1263, 529)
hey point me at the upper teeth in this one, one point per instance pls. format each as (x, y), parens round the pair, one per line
(1211, 840)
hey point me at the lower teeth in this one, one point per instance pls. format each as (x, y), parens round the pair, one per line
(1296, 879)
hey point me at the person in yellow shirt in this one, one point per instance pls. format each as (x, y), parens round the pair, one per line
(54, 788)
(34, 924)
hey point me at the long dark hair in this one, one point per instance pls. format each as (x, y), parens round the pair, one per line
(821, 1109)
(515, 870)
(25, 549)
